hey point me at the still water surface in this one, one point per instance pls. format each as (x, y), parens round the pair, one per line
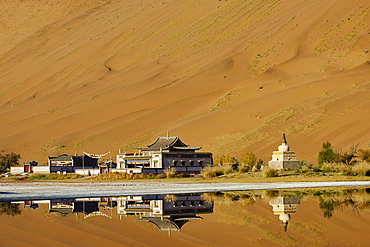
(327, 217)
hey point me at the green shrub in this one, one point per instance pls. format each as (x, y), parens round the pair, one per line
(316, 169)
(327, 154)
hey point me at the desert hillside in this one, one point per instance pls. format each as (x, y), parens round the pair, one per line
(228, 75)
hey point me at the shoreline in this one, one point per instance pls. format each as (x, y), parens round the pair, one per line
(53, 190)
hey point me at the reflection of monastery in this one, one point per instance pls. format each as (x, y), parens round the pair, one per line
(168, 213)
(284, 206)
(165, 152)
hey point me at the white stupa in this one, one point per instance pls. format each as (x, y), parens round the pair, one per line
(284, 158)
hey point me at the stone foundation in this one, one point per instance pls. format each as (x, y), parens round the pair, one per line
(280, 165)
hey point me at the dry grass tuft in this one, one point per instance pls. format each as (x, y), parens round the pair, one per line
(270, 172)
(170, 172)
(361, 169)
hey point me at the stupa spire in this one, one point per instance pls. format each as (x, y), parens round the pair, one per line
(283, 140)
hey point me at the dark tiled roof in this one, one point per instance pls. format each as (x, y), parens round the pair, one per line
(169, 224)
(61, 157)
(166, 143)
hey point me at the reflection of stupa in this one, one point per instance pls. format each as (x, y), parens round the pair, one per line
(284, 207)
(283, 158)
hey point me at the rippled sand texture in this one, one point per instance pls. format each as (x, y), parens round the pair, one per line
(231, 76)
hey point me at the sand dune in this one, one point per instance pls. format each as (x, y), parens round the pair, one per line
(231, 76)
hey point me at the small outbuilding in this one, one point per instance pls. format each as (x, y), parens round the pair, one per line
(81, 164)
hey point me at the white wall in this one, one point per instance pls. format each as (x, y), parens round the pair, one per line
(16, 170)
(41, 169)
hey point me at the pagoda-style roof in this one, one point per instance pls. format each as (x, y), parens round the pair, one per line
(169, 224)
(62, 157)
(168, 143)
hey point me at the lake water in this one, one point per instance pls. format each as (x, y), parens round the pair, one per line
(326, 217)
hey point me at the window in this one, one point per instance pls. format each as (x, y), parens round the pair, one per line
(183, 162)
(174, 163)
(200, 162)
(191, 162)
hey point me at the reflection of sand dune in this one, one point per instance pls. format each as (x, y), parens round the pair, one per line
(230, 224)
(104, 75)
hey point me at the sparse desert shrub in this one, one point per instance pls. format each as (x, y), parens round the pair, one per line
(304, 169)
(271, 194)
(160, 176)
(270, 172)
(170, 172)
(343, 168)
(55, 176)
(224, 160)
(261, 163)
(361, 169)
(364, 154)
(243, 169)
(305, 166)
(328, 167)
(225, 168)
(306, 163)
(170, 198)
(182, 175)
(208, 172)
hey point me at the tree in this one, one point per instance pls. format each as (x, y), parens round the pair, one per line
(225, 160)
(364, 154)
(247, 161)
(9, 208)
(327, 154)
(8, 160)
(347, 157)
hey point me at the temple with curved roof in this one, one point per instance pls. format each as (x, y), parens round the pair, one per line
(165, 152)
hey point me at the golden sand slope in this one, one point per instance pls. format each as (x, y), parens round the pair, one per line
(231, 76)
